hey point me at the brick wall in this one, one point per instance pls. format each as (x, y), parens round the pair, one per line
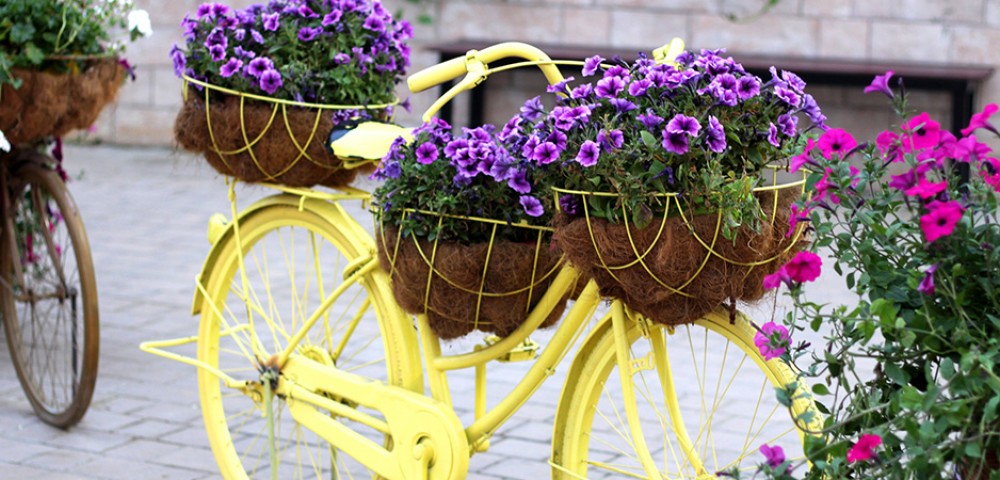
(938, 31)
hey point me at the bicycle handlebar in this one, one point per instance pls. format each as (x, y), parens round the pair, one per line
(456, 67)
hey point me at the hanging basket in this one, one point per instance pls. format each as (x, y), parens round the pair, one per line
(490, 286)
(260, 139)
(53, 104)
(680, 267)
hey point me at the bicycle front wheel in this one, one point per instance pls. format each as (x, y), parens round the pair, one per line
(704, 403)
(286, 263)
(49, 296)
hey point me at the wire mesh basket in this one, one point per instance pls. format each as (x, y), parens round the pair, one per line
(490, 286)
(680, 267)
(261, 139)
(52, 104)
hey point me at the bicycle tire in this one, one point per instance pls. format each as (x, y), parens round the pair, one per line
(50, 309)
(312, 249)
(724, 404)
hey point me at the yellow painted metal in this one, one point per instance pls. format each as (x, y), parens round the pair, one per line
(428, 441)
(415, 422)
(669, 52)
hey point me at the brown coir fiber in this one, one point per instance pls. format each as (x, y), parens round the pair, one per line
(676, 257)
(277, 156)
(450, 308)
(50, 104)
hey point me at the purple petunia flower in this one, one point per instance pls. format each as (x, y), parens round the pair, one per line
(881, 84)
(502, 169)
(270, 81)
(747, 87)
(519, 182)
(532, 109)
(306, 12)
(216, 37)
(926, 285)
(610, 141)
(308, 34)
(675, 142)
(569, 204)
(231, 67)
(257, 37)
(258, 66)
(609, 87)
(239, 34)
(589, 153)
(341, 58)
(217, 52)
(650, 120)
(240, 52)
(683, 124)
(715, 135)
(772, 135)
(331, 18)
(180, 61)
(638, 88)
(271, 21)
(532, 207)
(559, 87)
(558, 139)
(426, 153)
(788, 124)
(374, 23)
(582, 91)
(545, 153)
(788, 96)
(812, 110)
(621, 105)
(591, 65)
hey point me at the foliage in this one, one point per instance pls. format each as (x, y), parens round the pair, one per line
(910, 375)
(471, 175)
(703, 129)
(318, 51)
(34, 32)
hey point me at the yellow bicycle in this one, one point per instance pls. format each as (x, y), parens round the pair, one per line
(307, 367)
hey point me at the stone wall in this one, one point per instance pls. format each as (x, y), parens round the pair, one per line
(961, 32)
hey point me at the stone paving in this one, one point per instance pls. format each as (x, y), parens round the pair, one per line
(146, 213)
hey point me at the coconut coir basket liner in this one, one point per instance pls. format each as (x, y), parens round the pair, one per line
(514, 280)
(666, 286)
(52, 104)
(260, 141)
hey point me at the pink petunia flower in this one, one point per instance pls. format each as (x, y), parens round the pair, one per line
(801, 159)
(796, 217)
(775, 279)
(804, 267)
(836, 141)
(940, 220)
(864, 449)
(922, 132)
(926, 189)
(881, 84)
(775, 455)
(981, 120)
(926, 285)
(773, 341)
(823, 189)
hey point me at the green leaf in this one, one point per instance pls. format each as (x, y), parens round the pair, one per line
(35, 55)
(820, 389)
(896, 374)
(648, 139)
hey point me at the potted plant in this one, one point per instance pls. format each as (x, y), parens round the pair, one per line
(661, 166)
(265, 85)
(910, 373)
(463, 230)
(60, 63)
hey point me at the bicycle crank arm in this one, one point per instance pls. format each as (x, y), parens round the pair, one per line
(421, 429)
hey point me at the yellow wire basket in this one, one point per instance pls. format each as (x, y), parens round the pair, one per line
(680, 267)
(261, 139)
(489, 286)
(53, 104)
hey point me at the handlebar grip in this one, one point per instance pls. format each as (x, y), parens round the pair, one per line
(436, 74)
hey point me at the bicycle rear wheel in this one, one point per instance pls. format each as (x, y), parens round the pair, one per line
(710, 374)
(261, 289)
(49, 296)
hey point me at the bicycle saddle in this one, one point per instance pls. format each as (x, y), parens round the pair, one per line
(368, 140)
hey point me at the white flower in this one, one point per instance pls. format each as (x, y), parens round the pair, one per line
(139, 20)
(4, 144)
